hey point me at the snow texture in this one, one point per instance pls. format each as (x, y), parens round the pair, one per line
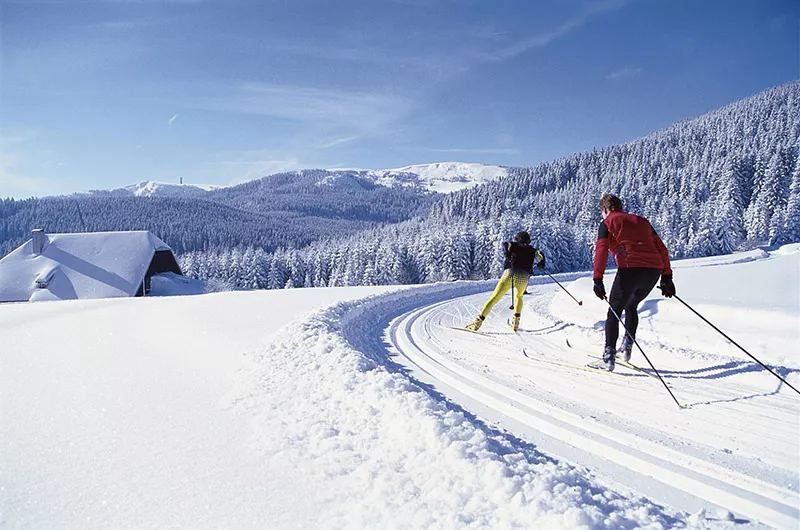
(358, 408)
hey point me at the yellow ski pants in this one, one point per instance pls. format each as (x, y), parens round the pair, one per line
(520, 282)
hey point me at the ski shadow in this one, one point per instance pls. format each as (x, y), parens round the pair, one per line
(733, 400)
(780, 370)
(728, 369)
(547, 330)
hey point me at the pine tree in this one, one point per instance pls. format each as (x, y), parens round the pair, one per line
(791, 227)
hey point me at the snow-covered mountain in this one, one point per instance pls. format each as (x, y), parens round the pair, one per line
(440, 177)
(443, 177)
(151, 188)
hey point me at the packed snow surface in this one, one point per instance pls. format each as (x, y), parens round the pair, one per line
(360, 408)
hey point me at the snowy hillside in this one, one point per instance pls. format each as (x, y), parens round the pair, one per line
(444, 177)
(358, 408)
(150, 188)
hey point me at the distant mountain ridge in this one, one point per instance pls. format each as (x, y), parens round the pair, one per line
(151, 188)
(288, 210)
(439, 177)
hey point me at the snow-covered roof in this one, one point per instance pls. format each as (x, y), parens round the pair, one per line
(88, 265)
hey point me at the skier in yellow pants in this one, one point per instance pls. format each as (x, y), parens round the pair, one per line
(520, 256)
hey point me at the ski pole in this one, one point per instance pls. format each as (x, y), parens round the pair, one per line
(580, 302)
(767, 368)
(641, 350)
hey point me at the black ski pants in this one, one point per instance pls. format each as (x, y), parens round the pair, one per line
(631, 286)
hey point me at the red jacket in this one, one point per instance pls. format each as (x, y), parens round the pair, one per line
(633, 243)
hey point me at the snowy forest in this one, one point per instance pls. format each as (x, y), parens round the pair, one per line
(285, 210)
(724, 181)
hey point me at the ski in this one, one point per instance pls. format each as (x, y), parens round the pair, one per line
(468, 330)
(584, 367)
(626, 364)
(515, 331)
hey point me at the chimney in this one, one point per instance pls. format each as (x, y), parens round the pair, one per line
(38, 240)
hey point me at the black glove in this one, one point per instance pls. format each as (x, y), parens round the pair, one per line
(667, 287)
(540, 264)
(599, 288)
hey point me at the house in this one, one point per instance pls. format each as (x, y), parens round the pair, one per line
(90, 265)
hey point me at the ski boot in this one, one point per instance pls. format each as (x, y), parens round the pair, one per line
(626, 348)
(607, 362)
(476, 324)
(515, 321)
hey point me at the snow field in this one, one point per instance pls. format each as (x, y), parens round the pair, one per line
(405, 458)
(356, 407)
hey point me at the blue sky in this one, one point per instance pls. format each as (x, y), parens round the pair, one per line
(99, 94)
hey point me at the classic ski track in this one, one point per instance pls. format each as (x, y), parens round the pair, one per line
(418, 337)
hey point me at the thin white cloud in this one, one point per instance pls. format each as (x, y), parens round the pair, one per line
(21, 185)
(338, 141)
(544, 39)
(624, 73)
(132, 23)
(342, 53)
(19, 162)
(12, 181)
(250, 162)
(254, 164)
(172, 120)
(486, 151)
(354, 112)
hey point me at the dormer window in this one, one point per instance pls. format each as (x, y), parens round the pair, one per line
(44, 279)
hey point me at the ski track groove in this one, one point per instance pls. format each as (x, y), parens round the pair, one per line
(420, 336)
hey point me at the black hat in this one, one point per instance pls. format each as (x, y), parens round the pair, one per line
(523, 238)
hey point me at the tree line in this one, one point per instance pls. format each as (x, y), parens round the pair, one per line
(724, 181)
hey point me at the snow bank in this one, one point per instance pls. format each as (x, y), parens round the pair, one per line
(395, 455)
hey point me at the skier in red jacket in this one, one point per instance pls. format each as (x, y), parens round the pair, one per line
(641, 258)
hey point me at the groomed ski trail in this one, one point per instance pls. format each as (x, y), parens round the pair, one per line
(624, 426)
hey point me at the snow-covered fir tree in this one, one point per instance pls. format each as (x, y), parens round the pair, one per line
(710, 185)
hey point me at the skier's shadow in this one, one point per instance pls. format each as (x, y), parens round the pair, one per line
(729, 369)
(648, 308)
